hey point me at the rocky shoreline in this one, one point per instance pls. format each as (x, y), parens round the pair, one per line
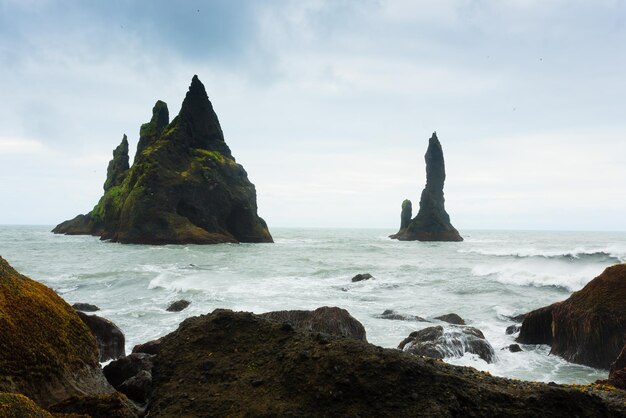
(286, 363)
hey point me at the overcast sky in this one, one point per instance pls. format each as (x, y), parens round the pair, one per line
(329, 104)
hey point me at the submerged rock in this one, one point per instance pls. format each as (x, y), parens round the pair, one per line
(513, 348)
(452, 341)
(432, 222)
(393, 315)
(451, 318)
(239, 364)
(85, 307)
(589, 327)
(178, 306)
(329, 320)
(361, 277)
(46, 352)
(111, 341)
(184, 187)
(513, 329)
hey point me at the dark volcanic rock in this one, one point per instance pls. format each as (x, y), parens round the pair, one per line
(178, 306)
(589, 327)
(126, 367)
(513, 329)
(361, 277)
(46, 351)
(329, 320)
(111, 341)
(113, 405)
(85, 307)
(151, 347)
(118, 166)
(132, 375)
(451, 318)
(432, 222)
(393, 315)
(617, 373)
(452, 341)
(513, 348)
(184, 186)
(238, 364)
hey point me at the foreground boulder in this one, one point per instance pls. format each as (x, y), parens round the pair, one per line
(589, 327)
(452, 341)
(239, 364)
(113, 405)
(329, 320)
(432, 222)
(46, 352)
(111, 341)
(184, 186)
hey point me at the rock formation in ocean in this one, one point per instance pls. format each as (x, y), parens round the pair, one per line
(184, 185)
(240, 364)
(589, 327)
(432, 222)
(46, 352)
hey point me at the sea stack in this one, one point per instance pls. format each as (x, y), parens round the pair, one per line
(184, 186)
(432, 222)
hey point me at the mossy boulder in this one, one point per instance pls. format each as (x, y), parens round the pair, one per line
(46, 351)
(240, 364)
(15, 405)
(432, 222)
(183, 187)
(112, 405)
(589, 327)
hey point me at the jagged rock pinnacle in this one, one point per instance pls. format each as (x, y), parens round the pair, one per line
(118, 166)
(432, 222)
(151, 130)
(200, 121)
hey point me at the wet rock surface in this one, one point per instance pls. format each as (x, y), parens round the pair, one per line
(589, 327)
(452, 341)
(393, 315)
(178, 306)
(432, 222)
(151, 347)
(85, 307)
(361, 277)
(451, 318)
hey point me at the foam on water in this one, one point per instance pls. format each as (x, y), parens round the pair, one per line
(485, 279)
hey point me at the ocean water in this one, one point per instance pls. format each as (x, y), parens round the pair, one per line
(489, 276)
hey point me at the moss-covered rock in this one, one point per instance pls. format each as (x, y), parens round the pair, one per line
(46, 351)
(184, 186)
(587, 328)
(239, 364)
(432, 222)
(15, 405)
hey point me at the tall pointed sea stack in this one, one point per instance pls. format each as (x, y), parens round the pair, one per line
(184, 186)
(432, 222)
